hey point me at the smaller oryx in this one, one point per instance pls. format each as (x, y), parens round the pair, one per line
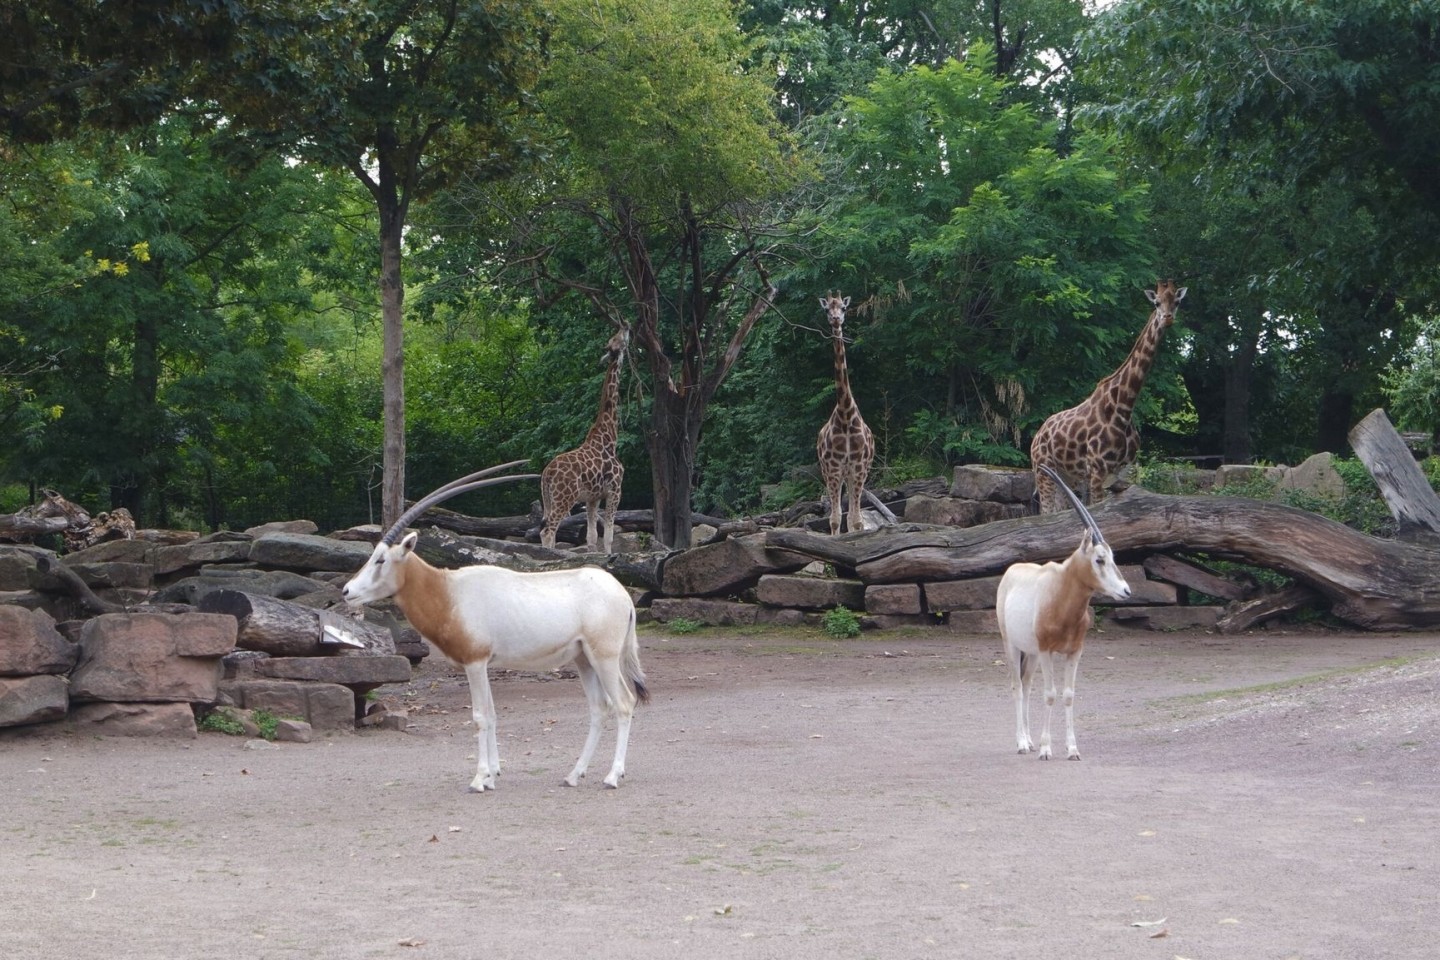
(1044, 612)
(483, 615)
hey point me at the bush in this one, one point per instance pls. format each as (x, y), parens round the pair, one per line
(841, 623)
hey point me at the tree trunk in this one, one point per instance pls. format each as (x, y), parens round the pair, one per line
(1402, 483)
(672, 440)
(1372, 583)
(392, 304)
(1239, 370)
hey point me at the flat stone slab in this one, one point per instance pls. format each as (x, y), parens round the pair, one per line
(810, 593)
(347, 671)
(38, 699)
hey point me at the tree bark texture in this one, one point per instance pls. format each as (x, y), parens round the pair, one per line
(1375, 584)
(284, 629)
(1402, 483)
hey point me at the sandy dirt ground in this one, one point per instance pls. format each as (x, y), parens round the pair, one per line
(788, 796)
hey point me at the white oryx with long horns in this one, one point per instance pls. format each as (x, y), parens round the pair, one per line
(1044, 612)
(485, 615)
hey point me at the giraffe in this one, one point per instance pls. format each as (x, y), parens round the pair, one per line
(592, 471)
(1091, 444)
(845, 446)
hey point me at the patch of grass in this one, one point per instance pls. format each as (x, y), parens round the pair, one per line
(684, 625)
(1277, 686)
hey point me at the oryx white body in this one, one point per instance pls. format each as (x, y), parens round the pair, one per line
(485, 616)
(1044, 613)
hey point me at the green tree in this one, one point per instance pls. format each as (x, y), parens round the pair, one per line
(408, 97)
(654, 210)
(996, 278)
(176, 330)
(1327, 105)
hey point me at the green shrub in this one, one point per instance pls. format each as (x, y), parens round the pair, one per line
(683, 625)
(222, 721)
(840, 623)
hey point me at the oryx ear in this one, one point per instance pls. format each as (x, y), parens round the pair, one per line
(1180, 294)
(1150, 295)
(407, 545)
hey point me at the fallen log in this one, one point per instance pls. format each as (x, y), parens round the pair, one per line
(284, 629)
(1242, 616)
(1371, 583)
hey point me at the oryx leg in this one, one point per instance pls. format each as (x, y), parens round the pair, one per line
(1072, 666)
(1022, 668)
(595, 699)
(1047, 675)
(482, 710)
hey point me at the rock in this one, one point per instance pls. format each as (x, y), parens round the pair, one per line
(1229, 473)
(360, 673)
(294, 731)
(725, 567)
(38, 699)
(18, 565)
(114, 551)
(1316, 475)
(283, 526)
(884, 598)
(31, 644)
(190, 556)
(301, 551)
(326, 706)
(126, 657)
(981, 482)
(974, 594)
(809, 593)
(136, 719)
(1165, 618)
(718, 613)
(955, 512)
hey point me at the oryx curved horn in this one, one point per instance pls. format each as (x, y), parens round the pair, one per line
(1090, 523)
(454, 488)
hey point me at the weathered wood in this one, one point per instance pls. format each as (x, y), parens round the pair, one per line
(1243, 616)
(1408, 494)
(16, 526)
(284, 629)
(1195, 577)
(1372, 583)
(77, 587)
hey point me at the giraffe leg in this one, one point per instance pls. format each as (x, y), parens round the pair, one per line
(592, 538)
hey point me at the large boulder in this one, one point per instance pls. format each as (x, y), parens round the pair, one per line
(725, 567)
(30, 644)
(1001, 484)
(136, 719)
(138, 657)
(27, 700)
(303, 551)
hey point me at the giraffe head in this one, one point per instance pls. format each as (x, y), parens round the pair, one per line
(1166, 298)
(615, 347)
(835, 306)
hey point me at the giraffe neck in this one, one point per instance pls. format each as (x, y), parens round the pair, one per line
(844, 399)
(605, 428)
(1123, 386)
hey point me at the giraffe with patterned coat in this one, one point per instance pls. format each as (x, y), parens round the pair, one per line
(1094, 443)
(845, 446)
(592, 472)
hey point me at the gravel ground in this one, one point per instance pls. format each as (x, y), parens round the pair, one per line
(788, 796)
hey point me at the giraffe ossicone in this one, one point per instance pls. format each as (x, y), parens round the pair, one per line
(1094, 443)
